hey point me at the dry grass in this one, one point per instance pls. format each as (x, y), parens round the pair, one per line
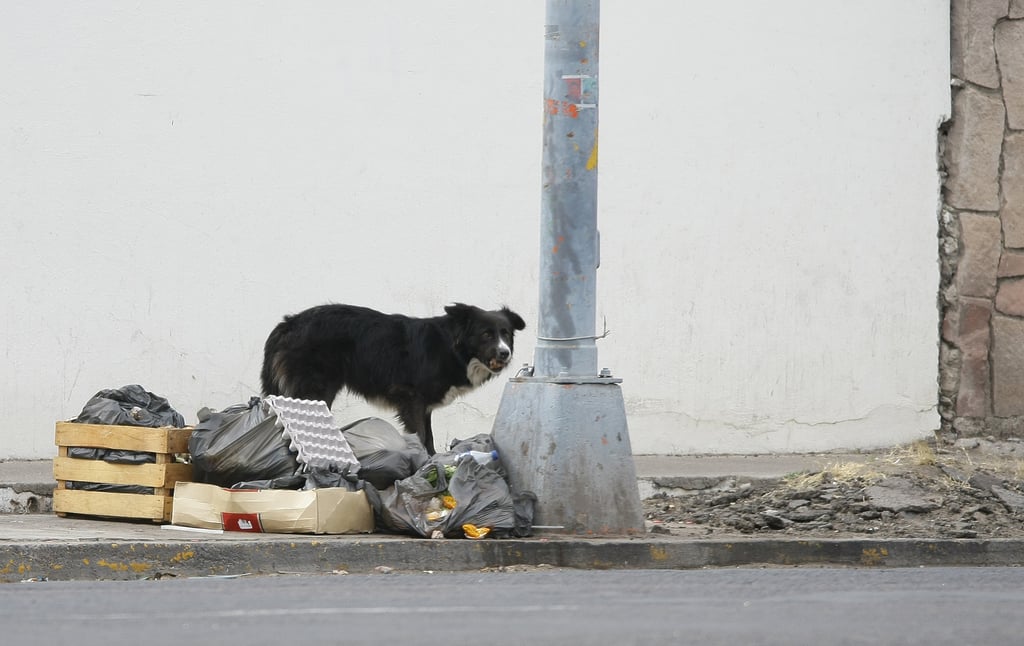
(838, 472)
(908, 458)
(951, 483)
(917, 454)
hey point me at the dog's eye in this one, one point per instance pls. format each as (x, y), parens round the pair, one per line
(488, 334)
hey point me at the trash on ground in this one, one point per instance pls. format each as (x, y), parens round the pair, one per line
(278, 464)
(452, 491)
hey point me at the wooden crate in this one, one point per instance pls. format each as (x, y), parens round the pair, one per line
(161, 476)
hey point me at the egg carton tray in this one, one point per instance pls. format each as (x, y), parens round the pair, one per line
(309, 427)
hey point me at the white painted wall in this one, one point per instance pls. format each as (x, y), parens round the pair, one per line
(176, 176)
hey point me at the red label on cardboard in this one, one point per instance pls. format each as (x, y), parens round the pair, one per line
(241, 522)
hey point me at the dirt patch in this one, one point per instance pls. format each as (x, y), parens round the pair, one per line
(968, 489)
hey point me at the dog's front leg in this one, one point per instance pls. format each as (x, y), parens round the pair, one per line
(428, 433)
(416, 419)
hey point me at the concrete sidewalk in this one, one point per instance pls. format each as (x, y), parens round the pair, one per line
(42, 546)
(27, 485)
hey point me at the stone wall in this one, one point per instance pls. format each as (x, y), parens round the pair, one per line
(981, 373)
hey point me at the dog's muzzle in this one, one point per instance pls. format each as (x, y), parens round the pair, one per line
(496, 365)
(500, 359)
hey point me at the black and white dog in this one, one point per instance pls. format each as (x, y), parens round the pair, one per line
(412, 365)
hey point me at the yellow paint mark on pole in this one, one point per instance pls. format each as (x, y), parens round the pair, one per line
(592, 162)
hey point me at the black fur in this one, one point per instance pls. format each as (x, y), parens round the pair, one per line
(412, 365)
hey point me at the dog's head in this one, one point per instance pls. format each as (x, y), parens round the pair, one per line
(485, 335)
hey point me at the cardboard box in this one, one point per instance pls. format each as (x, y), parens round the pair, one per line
(285, 511)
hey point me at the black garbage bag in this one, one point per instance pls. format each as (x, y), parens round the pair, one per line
(416, 505)
(483, 443)
(335, 476)
(523, 503)
(130, 405)
(114, 456)
(240, 444)
(483, 499)
(385, 454)
(405, 505)
(284, 482)
(96, 486)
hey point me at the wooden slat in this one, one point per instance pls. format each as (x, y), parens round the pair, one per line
(62, 452)
(128, 438)
(146, 475)
(118, 505)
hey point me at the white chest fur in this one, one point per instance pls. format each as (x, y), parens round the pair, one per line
(477, 373)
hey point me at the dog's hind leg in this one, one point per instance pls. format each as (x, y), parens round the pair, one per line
(309, 386)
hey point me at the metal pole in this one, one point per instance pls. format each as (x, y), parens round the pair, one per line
(561, 426)
(569, 245)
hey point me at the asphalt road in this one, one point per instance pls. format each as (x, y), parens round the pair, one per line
(789, 606)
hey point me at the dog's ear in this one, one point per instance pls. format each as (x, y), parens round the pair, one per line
(459, 310)
(513, 318)
(460, 316)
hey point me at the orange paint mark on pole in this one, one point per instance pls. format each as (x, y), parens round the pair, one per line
(554, 106)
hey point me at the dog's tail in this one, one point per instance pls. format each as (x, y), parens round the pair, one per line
(274, 373)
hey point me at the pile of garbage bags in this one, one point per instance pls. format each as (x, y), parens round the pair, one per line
(450, 494)
(265, 444)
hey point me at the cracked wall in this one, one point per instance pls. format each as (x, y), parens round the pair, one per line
(981, 369)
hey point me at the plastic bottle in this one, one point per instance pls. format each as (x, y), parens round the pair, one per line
(482, 457)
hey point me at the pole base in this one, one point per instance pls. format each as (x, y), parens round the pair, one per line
(568, 443)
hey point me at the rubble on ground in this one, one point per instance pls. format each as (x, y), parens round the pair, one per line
(972, 488)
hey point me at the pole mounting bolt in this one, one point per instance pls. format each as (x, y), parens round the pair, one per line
(605, 372)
